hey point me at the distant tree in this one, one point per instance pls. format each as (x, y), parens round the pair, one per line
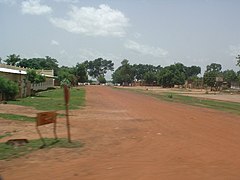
(230, 76)
(12, 59)
(67, 74)
(46, 63)
(213, 70)
(238, 60)
(214, 67)
(238, 76)
(99, 67)
(150, 78)
(165, 77)
(209, 79)
(139, 70)
(124, 74)
(101, 79)
(0, 60)
(174, 74)
(192, 71)
(81, 72)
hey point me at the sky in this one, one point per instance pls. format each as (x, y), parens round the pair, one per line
(158, 32)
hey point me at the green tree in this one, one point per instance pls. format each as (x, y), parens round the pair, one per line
(101, 79)
(67, 73)
(33, 77)
(139, 70)
(12, 59)
(8, 89)
(165, 77)
(81, 72)
(214, 67)
(230, 76)
(213, 70)
(99, 67)
(124, 74)
(174, 74)
(238, 60)
(150, 78)
(192, 71)
(46, 63)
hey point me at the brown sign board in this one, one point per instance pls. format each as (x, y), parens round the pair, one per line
(46, 118)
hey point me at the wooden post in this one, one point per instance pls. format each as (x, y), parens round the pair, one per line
(66, 97)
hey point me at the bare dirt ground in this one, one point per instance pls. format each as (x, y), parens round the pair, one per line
(132, 136)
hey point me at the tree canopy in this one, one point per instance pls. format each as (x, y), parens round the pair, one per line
(238, 60)
(123, 74)
(212, 72)
(168, 76)
(46, 63)
(34, 77)
(12, 59)
(99, 67)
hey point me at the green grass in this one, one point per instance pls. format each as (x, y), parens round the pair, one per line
(53, 100)
(17, 117)
(8, 152)
(231, 107)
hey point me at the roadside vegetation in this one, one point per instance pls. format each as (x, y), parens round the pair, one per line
(8, 89)
(231, 107)
(8, 152)
(5, 135)
(53, 100)
(17, 117)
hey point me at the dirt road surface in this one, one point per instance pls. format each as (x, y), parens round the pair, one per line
(130, 136)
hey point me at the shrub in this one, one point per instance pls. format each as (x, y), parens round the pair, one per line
(8, 89)
(170, 96)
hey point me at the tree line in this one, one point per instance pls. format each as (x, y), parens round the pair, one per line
(70, 75)
(168, 76)
(175, 74)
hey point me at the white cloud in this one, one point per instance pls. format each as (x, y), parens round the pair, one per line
(234, 50)
(35, 8)
(102, 21)
(54, 42)
(145, 49)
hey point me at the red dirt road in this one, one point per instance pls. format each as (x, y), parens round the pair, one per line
(132, 136)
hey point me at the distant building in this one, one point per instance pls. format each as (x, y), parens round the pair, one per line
(235, 85)
(18, 75)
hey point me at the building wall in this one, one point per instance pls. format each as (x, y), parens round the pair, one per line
(43, 86)
(19, 79)
(25, 87)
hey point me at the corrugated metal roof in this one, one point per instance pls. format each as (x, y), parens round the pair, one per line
(12, 71)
